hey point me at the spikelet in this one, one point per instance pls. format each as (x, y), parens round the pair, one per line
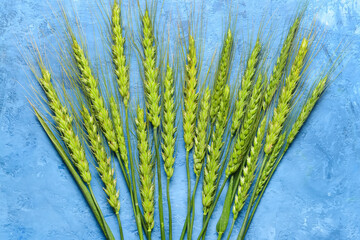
(151, 84)
(121, 69)
(118, 126)
(246, 83)
(247, 129)
(168, 125)
(222, 76)
(64, 124)
(145, 170)
(190, 96)
(104, 164)
(280, 64)
(201, 129)
(306, 110)
(287, 92)
(90, 86)
(248, 171)
(213, 159)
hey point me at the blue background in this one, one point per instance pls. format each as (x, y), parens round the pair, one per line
(314, 194)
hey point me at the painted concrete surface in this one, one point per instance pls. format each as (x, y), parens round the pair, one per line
(313, 195)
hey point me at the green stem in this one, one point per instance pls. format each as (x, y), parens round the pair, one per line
(193, 205)
(120, 227)
(231, 229)
(169, 208)
(96, 205)
(204, 219)
(132, 190)
(161, 211)
(188, 192)
(220, 236)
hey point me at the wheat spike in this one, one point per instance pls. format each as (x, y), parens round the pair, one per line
(248, 171)
(306, 110)
(222, 75)
(104, 163)
(121, 69)
(200, 145)
(168, 125)
(246, 83)
(145, 170)
(190, 96)
(213, 159)
(90, 86)
(64, 125)
(118, 126)
(287, 92)
(247, 129)
(151, 84)
(280, 64)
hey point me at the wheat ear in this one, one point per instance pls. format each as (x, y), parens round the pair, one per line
(280, 64)
(151, 85)
(212, 163)
(146, 170)
(64, 125)
(90, 86)
(168, 126)
(246, 83)
(190, 96)
(118, 126)
(283, 108)
(304, 114)
(121, 69)
(247, 129)
(104, 164)
(222, 76)
(248, 171)
(306, 110)
(201, 130)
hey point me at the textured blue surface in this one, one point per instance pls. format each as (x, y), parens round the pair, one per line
(314, 194)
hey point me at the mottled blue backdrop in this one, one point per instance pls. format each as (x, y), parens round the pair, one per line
(314, 194)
